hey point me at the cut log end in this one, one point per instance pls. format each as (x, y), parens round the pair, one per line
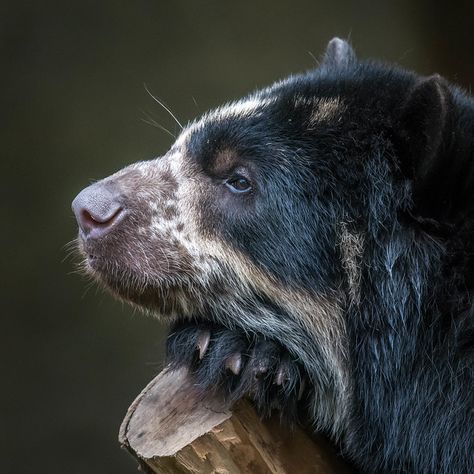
(172, 428)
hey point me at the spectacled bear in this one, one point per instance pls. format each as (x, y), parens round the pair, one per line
(312, 246)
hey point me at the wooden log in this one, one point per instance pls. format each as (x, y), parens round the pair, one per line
(172, 428)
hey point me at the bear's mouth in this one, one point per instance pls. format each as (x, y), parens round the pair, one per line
(92, 258)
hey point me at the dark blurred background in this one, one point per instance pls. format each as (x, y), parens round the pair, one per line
(73, 106)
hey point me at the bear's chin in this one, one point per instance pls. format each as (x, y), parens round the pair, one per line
(163, 297)
(159, 301)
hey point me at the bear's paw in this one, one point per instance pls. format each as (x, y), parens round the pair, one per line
(235, 364)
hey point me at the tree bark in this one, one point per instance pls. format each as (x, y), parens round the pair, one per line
(172, 428)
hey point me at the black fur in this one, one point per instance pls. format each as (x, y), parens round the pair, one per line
(362, 177)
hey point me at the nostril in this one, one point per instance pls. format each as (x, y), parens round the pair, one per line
(94, 225)
(95, 220)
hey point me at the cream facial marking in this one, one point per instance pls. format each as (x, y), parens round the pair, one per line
(325, 110)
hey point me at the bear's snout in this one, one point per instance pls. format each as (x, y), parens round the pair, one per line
(97, 209)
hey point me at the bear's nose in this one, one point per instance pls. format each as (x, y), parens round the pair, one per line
(97, 210)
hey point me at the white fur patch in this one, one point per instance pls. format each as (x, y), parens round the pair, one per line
(242, 108)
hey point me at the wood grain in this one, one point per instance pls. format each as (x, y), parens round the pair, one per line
(172, 428)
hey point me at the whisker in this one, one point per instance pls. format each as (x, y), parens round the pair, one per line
(87, 289)
(69, 255)
(314, 58)
(70, 250)
(163, 105)
(155, 124)
(68, 245)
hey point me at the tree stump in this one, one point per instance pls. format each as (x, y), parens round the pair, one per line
(172, 428)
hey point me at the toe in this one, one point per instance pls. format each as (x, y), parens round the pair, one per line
(234, 363)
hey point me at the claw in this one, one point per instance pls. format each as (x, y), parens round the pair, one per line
(234, 364)
(281, 376)
(203, 339)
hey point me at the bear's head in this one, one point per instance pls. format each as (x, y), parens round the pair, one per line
(248, 203)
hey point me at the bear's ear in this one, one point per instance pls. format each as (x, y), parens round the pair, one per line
(422, 124)
(423, 131)
(339, 54)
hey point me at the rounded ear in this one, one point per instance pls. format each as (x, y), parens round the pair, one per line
(339, 54)
(422, 124)
(425, 156)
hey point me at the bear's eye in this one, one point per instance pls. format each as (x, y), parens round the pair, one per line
(238, 184)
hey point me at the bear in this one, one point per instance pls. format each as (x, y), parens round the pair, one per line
(311, 246)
